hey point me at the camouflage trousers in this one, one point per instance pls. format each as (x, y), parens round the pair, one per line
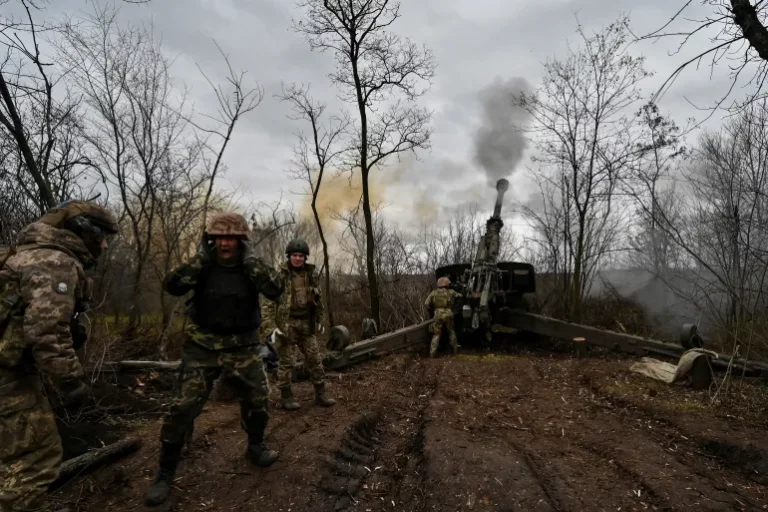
(299, 336)
(242, 369)
(443, 320)
(30, 446)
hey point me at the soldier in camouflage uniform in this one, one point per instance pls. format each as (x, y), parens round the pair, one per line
(43, 289)
(440, 305)
(221, 339)
(294, 320)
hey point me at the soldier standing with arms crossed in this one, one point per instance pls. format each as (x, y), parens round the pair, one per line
(440, 305)
(295, 320)
(222, 338)
(43, 288)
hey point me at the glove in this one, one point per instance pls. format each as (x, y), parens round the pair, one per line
(273, 337)
(250, 257)
(205, 250)
(320, 328)
(74, 393)
(270, 357)
(79, 333)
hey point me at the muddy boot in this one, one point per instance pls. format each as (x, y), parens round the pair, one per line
(321, 398)
(289, 403)
(257, 451)
(158, 492)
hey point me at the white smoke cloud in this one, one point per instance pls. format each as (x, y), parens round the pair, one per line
(500, 141)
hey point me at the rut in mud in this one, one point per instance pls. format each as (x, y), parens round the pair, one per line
(516, 432)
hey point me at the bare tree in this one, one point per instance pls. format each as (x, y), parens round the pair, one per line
(717, 223)
(233, 105)
(587, 142)
(737, 32)
(134, 127)
(663, 149)
(381, 74)
(40, 150)
(313, 154)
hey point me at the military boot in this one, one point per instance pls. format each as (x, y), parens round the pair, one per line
(321, 398)
(289, 403)
(255, 423)
(158, 492)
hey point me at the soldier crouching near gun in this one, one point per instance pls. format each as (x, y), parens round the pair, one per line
(222, 339)
(440, 305)
(295, 319)
(43, 288)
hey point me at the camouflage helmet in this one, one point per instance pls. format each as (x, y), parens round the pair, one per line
(89, 221)
(297, 245)
(443, 282)
(229, 224)
(96, 214)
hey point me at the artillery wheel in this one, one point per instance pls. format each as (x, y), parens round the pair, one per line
(689, 337)
(338, 338)
(701, 373)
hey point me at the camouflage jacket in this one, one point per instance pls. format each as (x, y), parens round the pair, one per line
(275, 314)
(184, 279)
(42, 287)
(441, 298)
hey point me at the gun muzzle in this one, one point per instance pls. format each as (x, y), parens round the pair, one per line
(501, 186)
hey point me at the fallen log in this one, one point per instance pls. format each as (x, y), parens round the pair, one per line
(81, 464)
(144, 365)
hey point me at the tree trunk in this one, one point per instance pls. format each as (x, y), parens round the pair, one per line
(16, 128)
(373, 285)
(326, 259)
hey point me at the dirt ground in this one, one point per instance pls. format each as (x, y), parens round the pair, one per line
(528, 431)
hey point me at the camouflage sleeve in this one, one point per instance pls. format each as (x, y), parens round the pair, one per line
(266, 279)
(268, 312)
(430, 300)
(49, 292)
(183, 278)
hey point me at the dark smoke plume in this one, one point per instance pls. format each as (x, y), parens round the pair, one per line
(500, 141)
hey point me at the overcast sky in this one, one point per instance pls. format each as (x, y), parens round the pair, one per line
(474, 43)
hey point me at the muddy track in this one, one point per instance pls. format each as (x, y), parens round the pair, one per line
(519, 432)
(747, 458)
(387, 449)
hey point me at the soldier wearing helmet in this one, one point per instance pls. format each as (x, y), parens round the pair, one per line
(440, 305)
(294, 320)
(43, 291)
(222, 339)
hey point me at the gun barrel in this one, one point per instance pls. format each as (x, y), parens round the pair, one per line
(501, 186)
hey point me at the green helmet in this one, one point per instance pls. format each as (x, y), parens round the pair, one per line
(297, 245)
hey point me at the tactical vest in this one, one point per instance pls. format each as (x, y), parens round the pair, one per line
(443, 299)
(300, 291)
(225, 301)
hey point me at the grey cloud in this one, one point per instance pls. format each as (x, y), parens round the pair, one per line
(473, 43)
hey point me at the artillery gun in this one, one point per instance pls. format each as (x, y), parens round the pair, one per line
(490, 289)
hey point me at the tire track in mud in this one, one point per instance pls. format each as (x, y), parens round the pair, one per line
(748, 460)
(380, 459)
(655, 446)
